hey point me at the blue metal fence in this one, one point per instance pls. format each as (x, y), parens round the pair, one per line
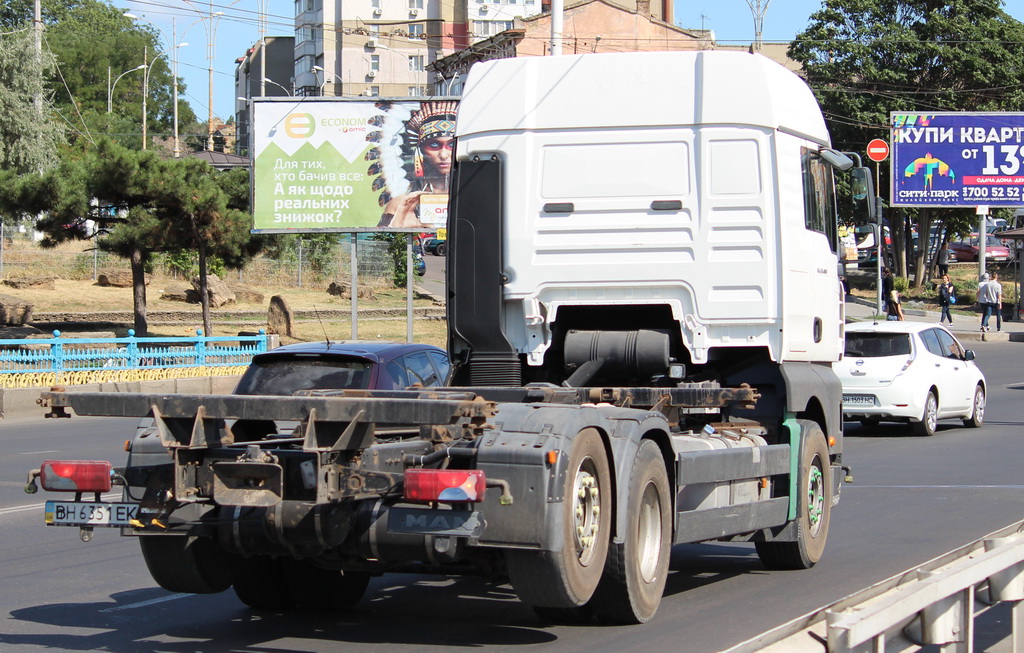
(57, 355)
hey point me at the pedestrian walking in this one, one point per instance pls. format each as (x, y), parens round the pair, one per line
(947, 296)
(990, 299)
(996, 289)
(888, 290)
(945, 258)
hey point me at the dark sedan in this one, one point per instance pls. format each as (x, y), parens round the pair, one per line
(344, 365)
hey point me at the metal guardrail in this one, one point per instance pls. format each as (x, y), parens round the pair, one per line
(936, 603)
(58, 354)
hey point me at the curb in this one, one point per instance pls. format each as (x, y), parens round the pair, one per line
(24, 402)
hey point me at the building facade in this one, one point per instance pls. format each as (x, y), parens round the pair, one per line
(588, 26)
(390, 47)
(261, 73)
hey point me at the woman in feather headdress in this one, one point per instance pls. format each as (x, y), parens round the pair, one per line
(430, 137)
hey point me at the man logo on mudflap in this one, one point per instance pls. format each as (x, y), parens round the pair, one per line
(437, 522)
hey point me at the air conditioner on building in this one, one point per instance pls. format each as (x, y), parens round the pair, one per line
(414, 12)
(484, 8)
(368, 93)
(371, 74)
(377, 11)
(371, 43)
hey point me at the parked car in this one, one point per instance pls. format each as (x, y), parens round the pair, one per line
(967, 248)
(435, 246)
(911, 372)
(344, 365)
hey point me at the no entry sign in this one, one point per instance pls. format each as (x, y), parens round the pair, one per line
(878, 150)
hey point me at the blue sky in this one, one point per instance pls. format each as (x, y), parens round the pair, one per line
(238, 29)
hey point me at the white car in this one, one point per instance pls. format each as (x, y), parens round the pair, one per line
(909, 372)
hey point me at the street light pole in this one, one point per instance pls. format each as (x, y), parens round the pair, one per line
(261, 6)
(326, 73)
(110, 91)
(145, 90)
(173, 46)
(281, 86)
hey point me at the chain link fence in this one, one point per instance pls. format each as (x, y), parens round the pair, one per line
(20, 257)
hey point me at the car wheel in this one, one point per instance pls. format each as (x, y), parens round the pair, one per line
(977, 416)
(929, 418)
(441, 249)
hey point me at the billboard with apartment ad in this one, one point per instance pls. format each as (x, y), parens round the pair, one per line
(333, 164)
(960, 159)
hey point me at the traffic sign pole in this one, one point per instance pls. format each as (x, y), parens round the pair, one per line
(878, 151)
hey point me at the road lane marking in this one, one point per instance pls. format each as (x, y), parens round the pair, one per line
(36, 453)
(112, 496)
(143, 604)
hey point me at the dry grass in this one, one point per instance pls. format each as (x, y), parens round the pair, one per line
(86, 296)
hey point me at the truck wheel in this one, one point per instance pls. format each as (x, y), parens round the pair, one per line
(977, 416)
(814, 505)
(929, 418)
(260, 583)
(566, 578)
(634, 578)
(189, 565)
(324, 590)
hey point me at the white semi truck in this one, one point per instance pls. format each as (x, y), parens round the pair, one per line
(643, 306)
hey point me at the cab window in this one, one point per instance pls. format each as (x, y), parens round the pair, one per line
(819, 197)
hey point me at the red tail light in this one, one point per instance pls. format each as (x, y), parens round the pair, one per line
(448, 485)
(75, 475)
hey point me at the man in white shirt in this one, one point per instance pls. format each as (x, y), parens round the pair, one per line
(990, 297)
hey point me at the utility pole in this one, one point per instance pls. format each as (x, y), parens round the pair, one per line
(557, 17)
(211, 34)
(37, 24)
(758, 11)
(145, 91)
(174, 61)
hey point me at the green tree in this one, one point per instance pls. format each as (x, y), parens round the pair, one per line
(206, 211)
(29, 138)
(93, 43)
(146, 203)
(867, 58)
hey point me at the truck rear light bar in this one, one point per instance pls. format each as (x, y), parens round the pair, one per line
(76, 475)
(447, 485)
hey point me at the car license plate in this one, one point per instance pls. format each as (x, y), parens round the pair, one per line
(79, 513)
(858, 400)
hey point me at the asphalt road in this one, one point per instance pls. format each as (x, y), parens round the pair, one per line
(913, 499)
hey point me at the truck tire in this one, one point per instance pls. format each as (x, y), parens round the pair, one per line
(260, 582)
(189, 565)
(635, 573)
(814, 505)
(324, 590)
(568, 577)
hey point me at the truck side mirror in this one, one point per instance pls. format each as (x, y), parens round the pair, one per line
(863, 191)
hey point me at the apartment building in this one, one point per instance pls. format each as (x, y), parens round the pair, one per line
(264, 70)
(587, 26)
(388, 47)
